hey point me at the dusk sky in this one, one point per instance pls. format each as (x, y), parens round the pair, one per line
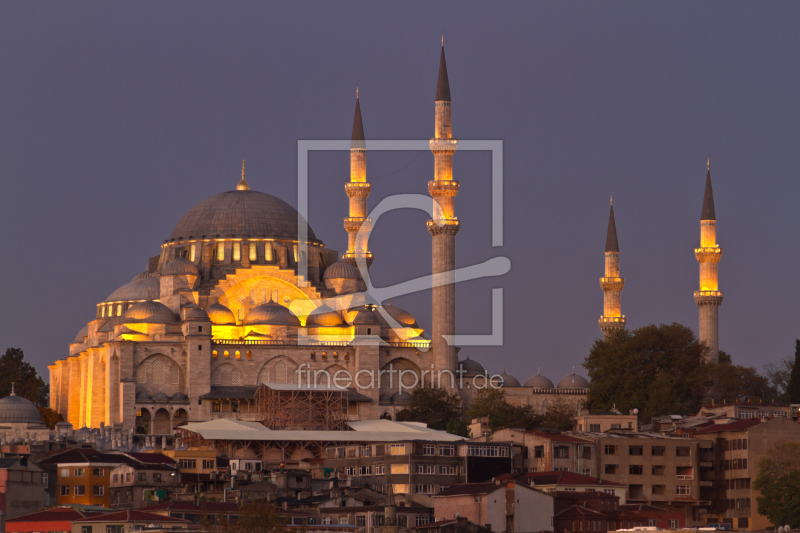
(117, 118)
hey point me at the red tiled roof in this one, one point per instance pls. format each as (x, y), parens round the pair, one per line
(151, 458)
(582, 495)
(559, 437)
(131, 516)
(579, 510)
(565, 478)
(739, 425)
(56, 514)
(471, 488)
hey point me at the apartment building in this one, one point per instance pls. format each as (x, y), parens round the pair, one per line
(601, 421)
(658, 469)
(193, 460)
(552, 482)
(134, 486)
(502, 506)
(83, 476)
(744, 411)
(22, 488)
(730, 455)
(418, 467)
(550, 451)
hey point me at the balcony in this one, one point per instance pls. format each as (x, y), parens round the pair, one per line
(684, 476)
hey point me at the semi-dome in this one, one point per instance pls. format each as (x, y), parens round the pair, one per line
(539, 382)
(400, 315)
(149, 312)
(573, 381)
(271, 314)
(509, 380)
(324, 316)
(470, 366)
(160, 397)
(242, 214)
(341, 270)
(401, 397)
(140, 288)
(180, 267)
(220, 315)
(18, 410)
(83, 333)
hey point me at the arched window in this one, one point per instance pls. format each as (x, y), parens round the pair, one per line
(294, 252)
(102, 311)
(253, 256)
(119, 309)
(216, 377)
(221, 251)
(237, 251)
(280, 372)
(141, 374)
(158, 371)
(174, 374)
(236, 377)
(268, 251)
(192, 251)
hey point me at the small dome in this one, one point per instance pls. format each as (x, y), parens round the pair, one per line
(142, 287)
(18, 410)
(271, 314)
(401, 397)
(192, 312)
(144, 275)
(149, 312)
(180, 267)
(220, 315)
(384, 398)
(539, 382)
(160, 397)
(509, 380)
(366, 317)
(324, 316)
(179, 397)
(400, 315)
(470, 366)
(341, 270)
(142, 396)
(573, 381)
(83, 333)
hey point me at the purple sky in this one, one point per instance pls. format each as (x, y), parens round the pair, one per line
(118, 117)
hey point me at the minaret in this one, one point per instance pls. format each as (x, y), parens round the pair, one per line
(612, 320)
(443, 228)
(709, 297)
(358, 191)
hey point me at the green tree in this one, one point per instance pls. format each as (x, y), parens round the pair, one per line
(778, 481)
(27, 383)
(492, 403)
(458, 426)
(778, 375)
(50, 417)
(793, 387)
(736, 383)
(433, 406)
(560, 415)
(256, 517)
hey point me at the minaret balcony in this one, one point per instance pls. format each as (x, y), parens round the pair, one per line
(443, 146)
(612, 321)
(353, 257)
(708, 297)
(612, 284)
(449, 226)
(708, 255)
(357, 188)
(357, 223)
(443, 188)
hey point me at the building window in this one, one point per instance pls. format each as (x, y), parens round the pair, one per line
(682, 451)
(636, 470)
(98, 490)
(380, 470)
(157, 476)
(422, 520)
(65, 490)
(128, 476)
(237, 251)
(102, 312)
(612, 469)
(119, 309)
(208, 464)
(364, 470)
(268, 251)
(594, 428)
(428, 449)
(635, 450)
(253, 254)
(447, 450)
(45, 478)
(115, 478)
(99, 472)
(426, 469)
(141, 476)
(448, 470)
(361, 520)
(365, 451)
(658, 470)
(424, 489)
(192, 252)
(294, 252)
(397, 449)
(399, 488)
(400, 469)
(221, 251)
(188, 463)
(659, 489)
(658, 451)
(214, 354)
(80, 490)
(115, 528)
(141, 374)
(683, 490)
(610, 449)
(216, 406)
(79, 472)
(561, 452)
(86, 529)
(65, 472)
(326, 520)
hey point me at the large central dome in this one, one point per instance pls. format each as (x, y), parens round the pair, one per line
(240, 214)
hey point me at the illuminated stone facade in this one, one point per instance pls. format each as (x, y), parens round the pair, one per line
(709, 297)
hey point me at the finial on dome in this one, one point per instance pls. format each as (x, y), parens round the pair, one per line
(13, 393)
(573, 370)
(611, 200)
(243, 185)
(442, 38)
(538, 371)
(356, 91)
(708, 163)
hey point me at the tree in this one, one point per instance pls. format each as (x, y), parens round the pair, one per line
(27, 383)
(256, 517)
(50, 417)
(492, 403)
(736, 383)
(560, 415)
(778, 375)
(458, 426)
(433, 406)
(778, 481)
(793, 386)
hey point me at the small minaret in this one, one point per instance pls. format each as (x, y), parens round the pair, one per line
(443, 228)
(358, 191)
(612, 320)
(709, 297)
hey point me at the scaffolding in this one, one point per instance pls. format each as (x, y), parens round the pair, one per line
(294, 407)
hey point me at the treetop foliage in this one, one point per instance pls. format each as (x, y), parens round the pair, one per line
(27, 383)
(492, 403)
(778, 481)
(433, 406)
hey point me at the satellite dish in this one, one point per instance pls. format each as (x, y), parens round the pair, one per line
(636, 411)
(786, 528)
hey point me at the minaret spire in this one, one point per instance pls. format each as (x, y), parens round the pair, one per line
(612, 320)
(443, 228)
(709, 297)
(358, 191)
(243, 185)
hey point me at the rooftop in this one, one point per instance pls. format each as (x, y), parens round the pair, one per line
(739, 425)
(131, 516)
